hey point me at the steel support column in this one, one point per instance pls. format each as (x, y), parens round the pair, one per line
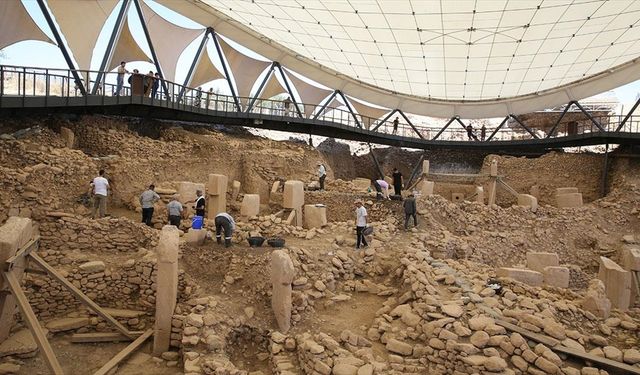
(108, 53)
(415, 170)
(150, 43)
(566, 109)
(353, 113)
(504, 121)
(524, 126)
(593, 120)
(262, 84)
(628, 116)
(387, 117)
(445, 127)
(63, 49)
(375, 161)
(410, 124)
(286, 84)
(194, 63)
(324, 106)
(226, 70)
(605, 173)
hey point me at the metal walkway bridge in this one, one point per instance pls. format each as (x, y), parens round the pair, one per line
(27, 91)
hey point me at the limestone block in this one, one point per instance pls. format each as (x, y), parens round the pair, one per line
(566, 190)
(167, 287)
(556, 276)
(527, 200)
(195, 237)
(425, 167)
(282, 273)
(215, 205)
(538, 261)
(569, 200)
(533, 278)
(275, 187)
(14, 234)
(596, 300)
(480, 194)
(293, 194)
(187, 191)
(426, 187)
(94, 266)
(630, 257)
(457, 197)
(68, 136)
(250, 205)
(217, 184)
(315, 216)
(617, 283)
(493, 169)
(235, 189)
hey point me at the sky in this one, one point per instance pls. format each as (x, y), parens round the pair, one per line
(41, 54)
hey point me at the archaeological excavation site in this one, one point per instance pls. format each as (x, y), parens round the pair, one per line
(517, 264)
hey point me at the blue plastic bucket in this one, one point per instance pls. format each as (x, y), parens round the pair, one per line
(197, 222)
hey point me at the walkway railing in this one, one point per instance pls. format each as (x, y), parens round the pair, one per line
(26, 82)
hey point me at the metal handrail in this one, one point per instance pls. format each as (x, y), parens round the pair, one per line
(52, 82)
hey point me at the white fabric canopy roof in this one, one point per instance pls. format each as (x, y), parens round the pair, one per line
(81, 23)
(272, 88)
(205, 71)
(127, 49)
(441, 58)
(17, 25)
(169, 40)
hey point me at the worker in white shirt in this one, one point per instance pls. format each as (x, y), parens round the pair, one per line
(100, 190)
(322, 174)
(224, 222)
(361, 223)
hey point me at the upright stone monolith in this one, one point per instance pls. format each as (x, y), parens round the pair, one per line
(167, 287)
(294, 199)
(217, 194)
(14, 234)
(282, 273)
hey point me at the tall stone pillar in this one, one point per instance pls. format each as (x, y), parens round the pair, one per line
(282, 273)
(14, 234)
(167, 287)
(294, 198)
(217, 191)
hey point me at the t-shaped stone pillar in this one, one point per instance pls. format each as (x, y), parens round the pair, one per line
(14, 234)
(167, 287)
(425, 167)
(217, 190)
(282, 273)
(294, 198)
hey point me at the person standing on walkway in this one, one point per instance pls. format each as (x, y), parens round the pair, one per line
(147, 200)
(322, 174)
(397, 182)
(100, 190)
(200, 204)
(155, 86)
(198, 99)
(175, 211)
(470, 135)
(410, 210)
(395, 125)
(361, 223)
(120, 77)
(224, 222)
(286, 104)
(483, 132)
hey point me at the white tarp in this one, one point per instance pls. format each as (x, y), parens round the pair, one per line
(370, 114)
(205, 70)
(169, 40)
(127, 49)
(245, 69)
(81, 23)
(16, 24)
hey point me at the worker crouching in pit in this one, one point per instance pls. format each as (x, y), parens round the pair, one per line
(224, 222)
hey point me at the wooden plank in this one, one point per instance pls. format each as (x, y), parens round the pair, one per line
(101, 337)
(22, 252)
(548, 341)
(627, 369)
(34, 325)
(554, 345)
(83, 297)
(113, 362)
